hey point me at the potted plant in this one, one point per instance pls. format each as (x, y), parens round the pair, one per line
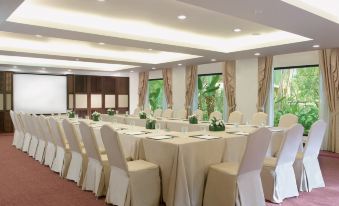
(95, 116)
(193, 119)
(142, 115)
(110, 111)
(216, 125)
(150, 122)
(71, 114)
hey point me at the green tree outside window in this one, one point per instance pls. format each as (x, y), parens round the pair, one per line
(155, 93)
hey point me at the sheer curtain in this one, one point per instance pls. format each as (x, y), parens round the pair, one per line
(191, 82)
(264, 81)
(142, 90)
(229, 84)
(167, 75)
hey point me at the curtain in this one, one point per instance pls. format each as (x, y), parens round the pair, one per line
(264, 81)
(143, 82)
(191, 79)
(167, 75)
(229, 84)
(329, 65)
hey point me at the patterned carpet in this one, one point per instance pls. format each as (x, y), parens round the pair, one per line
(25, 182)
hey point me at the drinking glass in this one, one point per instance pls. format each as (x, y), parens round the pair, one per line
(184, 129)
(158, 126)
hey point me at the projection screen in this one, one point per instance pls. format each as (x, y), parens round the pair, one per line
(39, 94)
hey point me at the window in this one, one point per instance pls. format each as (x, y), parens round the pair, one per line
(296, 91)
(156, 93)
(211, 94)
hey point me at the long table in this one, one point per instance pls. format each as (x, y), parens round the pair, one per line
(183, 160)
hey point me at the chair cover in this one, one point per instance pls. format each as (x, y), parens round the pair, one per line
(230, 183)
(277, 175)
(157, 113)
(259, 118)
(181, 114)
(50, 145)
(62, 156)
(16, 131)
(216, 114)
(34, 139)
(287, 120)
(97, 173)
(40, 151)
(306, 165)
(200, 114)
(20, 130)
(27, 138)
(236, 117)
(133, 183)
(78, 162)
(168, 113)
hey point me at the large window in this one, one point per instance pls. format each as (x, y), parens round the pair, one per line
(210, 94)
(156, 93)
(296, 91)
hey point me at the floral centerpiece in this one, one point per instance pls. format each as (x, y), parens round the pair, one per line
(71, 114)
(95, 116)
(216, 125)
(110, 112)
(142, 115)
(193, 119)
(150, 122)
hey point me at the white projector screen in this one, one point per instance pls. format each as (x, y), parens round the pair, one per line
(39, 94)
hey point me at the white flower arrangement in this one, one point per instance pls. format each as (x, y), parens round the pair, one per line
(95, 116)
(110, 111)
(71, 114)
(142, 113)
(216, 124)
(150, 118)
(193, 116)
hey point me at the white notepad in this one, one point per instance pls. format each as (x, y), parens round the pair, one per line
(135, 133)
(207, 137)
(160, 137)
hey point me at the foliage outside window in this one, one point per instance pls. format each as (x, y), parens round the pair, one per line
(210, 94)
(296, 91)
(155, 93)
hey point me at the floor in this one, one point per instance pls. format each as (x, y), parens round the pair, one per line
(23, 181)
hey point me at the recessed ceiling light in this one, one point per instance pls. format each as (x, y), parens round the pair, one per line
(182, 17)
(179, 64)
(69, 70)
(76, 59)
(257, 54)
(101, 0)
(38, 35)
(149, 49)
(15, 66)
(101, 43)
(153, 68)
(237, 30)
(316, 46)
(213, 60)
(43, 68)
(131, 71)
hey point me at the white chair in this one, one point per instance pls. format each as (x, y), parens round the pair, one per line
(28, 137)
(34, 139)
(236, 117)
(230, 183)
(19, 130)
(216, 114)
(157, 113)
(200, 114)
(40, 151)
(78, 161)
(136, 111)
(306, 165)
(131, 183)
(180, 114)
(168, 113)
(97, 173)
(51, 145)
(277, 175)
(62, 155)
(16, 131)
(259, 118)
(287, 120)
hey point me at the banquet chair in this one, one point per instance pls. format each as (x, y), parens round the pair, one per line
(78, 163)
(168, 113)
(40, 151)
(287, 120)
(62, 155)
(21, 130)
(34, 137)
(306, 165)
(157, 112)
(135, 183)
(277, 175)
(50, 142)
(259, 118)
(27, 139)
(136, 111)
(200, 114)
(180, 114)
(216, 114)
(97, 173)
(16, 134)
(230, 183)
(236, 117)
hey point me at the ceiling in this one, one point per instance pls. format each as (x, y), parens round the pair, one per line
(121, 36)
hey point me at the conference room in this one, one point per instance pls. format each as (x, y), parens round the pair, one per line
(169, 103)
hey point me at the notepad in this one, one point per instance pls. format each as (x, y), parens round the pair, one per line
(207, 137)
(135, 133)
(161, 137)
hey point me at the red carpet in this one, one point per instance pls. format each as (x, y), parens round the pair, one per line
(25, 182)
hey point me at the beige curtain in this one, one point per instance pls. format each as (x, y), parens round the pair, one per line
(264, 81)
(191, 79)
(143, 82)
(229, 84)
(167, 75)
(329, 65)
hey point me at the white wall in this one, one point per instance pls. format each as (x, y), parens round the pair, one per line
(133, 91)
